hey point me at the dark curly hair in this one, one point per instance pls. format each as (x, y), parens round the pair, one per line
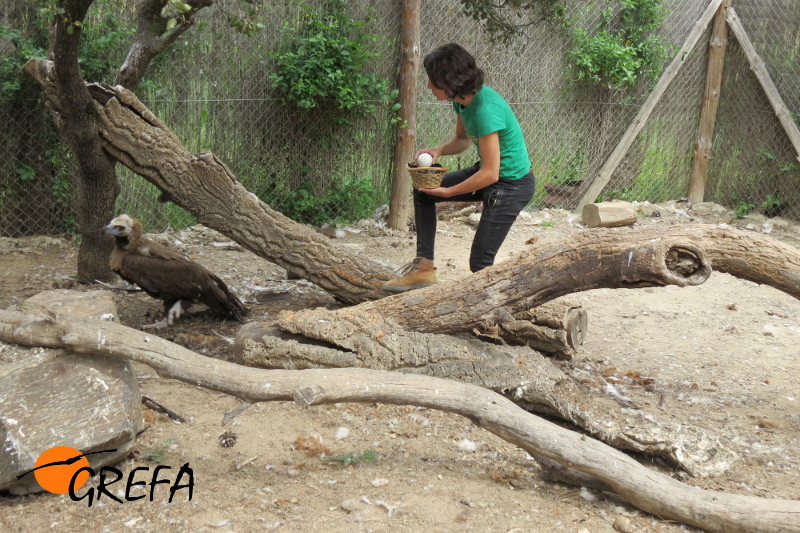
(453, 70)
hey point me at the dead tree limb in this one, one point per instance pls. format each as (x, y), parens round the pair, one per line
(203, 185)
(322, 338)
(598, 258)
(557, 328)
(650, 491)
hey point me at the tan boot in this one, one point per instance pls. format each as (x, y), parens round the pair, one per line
(417, 274)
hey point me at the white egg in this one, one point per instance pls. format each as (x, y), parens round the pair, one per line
(425, 159)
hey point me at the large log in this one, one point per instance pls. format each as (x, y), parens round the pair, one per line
(350, 338)
(648, 490)
(592, 259)
(557, 328)
(595, 258)
(205, 186)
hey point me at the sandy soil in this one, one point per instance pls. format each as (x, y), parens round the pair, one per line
(721, 357)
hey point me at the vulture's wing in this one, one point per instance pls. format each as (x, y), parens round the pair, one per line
(167, 279)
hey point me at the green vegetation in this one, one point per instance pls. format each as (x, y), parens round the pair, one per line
(772, 206)
(614, 54)
(156, 454)
(346, 200)
(11, 63)
(352, 458)
(325, 58)
(567, 167)
(622, 49)
(102, 48)
(743, 206)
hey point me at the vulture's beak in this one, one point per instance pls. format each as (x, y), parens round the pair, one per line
(110, 230)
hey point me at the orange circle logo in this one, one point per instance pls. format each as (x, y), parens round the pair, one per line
(56, 466)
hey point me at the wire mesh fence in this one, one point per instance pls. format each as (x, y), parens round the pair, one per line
(213, 89)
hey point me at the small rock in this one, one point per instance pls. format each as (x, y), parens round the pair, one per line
(463, 516)
(623, 524)
(341, 433)
(467, 445)
(352, 505)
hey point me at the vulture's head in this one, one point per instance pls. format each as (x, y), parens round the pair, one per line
(121, 226)
(125, 229)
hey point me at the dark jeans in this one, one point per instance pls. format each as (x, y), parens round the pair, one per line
(502, 202)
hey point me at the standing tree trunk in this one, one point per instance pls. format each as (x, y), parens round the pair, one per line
(76, 116)
(407, 129)
(77, 123)
(708, 115)
(152, 38)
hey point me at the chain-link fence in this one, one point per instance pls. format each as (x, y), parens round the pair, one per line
(213, 89)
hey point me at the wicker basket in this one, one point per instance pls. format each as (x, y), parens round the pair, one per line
(426, 177)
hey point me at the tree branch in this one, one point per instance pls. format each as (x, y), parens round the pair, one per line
(152, 37)
(650, 491)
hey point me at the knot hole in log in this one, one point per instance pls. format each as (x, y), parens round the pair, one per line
(688, 265)
(307, 395)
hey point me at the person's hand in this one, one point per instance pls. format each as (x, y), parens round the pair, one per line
(443, 192)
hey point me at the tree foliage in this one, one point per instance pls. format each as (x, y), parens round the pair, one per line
(622, 48)
(508, 20)
(615, 53)
(325, 58)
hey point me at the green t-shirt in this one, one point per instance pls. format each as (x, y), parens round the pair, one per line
(488, 113)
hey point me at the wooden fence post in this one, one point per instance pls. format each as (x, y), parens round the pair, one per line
(761, 72)
(608, 168)
(399, 204)
(708, 115)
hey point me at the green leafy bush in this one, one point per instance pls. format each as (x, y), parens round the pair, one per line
(325, 58)
(620, 51)
(11, 63)
(346, 200)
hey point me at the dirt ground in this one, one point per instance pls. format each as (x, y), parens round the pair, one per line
(721, 357)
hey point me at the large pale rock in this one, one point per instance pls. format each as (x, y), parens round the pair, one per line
(52, 397)
(609, 214)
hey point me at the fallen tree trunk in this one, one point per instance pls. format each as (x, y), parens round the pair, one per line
(205, 187)
(642, 487)
(349, 338)
(557, 328)
(595, 258)
(587, 260)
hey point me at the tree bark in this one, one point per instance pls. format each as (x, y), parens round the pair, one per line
(204, 186)
(588, 260)
(152, 38)
(351, 338)
(76, 117)
(557, 328)
(642, 487)
(399, 206)
(77, 123)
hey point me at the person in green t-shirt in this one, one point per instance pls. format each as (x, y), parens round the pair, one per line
(501, 179)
